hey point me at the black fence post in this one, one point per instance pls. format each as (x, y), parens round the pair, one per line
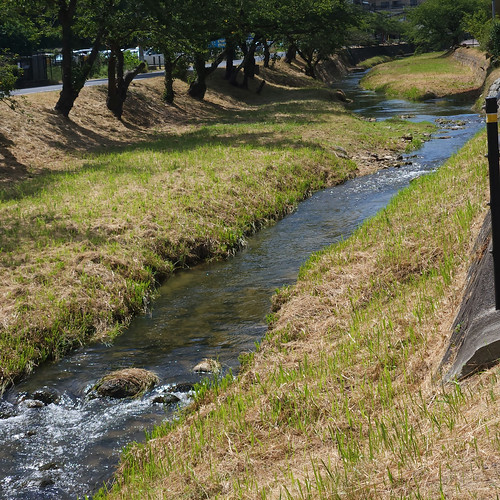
(493, 161)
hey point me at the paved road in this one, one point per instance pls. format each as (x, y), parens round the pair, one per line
(104, 81)
(88, 83)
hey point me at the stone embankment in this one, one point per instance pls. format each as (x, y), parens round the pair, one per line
(474, 59)
(475, 340)
(357, 54)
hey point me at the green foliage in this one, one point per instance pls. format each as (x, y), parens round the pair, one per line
(494, 38)
(181, 30)
(479, 25)
(441, 24)
(27, 26)
(130, 60)
(376, 27)
(8, 75)
(316, 29)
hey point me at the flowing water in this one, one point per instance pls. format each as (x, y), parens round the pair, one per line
(68, 448)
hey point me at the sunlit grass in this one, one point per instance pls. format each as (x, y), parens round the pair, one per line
(422, 77)
(374, 61)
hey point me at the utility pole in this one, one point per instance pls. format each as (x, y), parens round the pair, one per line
(494, 170)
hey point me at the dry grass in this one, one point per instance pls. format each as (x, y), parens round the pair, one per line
(343, 398)
(35, 139)
(129, 382)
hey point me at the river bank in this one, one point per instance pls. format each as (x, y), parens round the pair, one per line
(342, 398)
(92, 219)
(459, 73)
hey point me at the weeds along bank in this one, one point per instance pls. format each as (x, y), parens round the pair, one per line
(458, 73)
(85, 242)
(343, 399)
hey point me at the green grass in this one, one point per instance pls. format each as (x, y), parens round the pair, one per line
(374, 61)
(339, 401)
(422, 77)
(83, 250)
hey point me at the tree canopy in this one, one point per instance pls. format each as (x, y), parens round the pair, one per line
(441, 24)
(180, 29)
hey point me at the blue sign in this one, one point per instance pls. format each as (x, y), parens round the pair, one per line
(218, 44)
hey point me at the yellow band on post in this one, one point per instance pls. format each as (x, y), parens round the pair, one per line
(491, 118)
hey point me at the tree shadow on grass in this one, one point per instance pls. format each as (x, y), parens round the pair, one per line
(223, 136)
(10, 168)
(77, 138)
(216, 128)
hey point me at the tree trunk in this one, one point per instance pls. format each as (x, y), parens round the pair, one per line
(112, 98)
(230, 54)
(311, 64)
(73, 78)
(309, 71)
(249, 64)
(67, 96)
(198, 88)
(267, 54)
(290, 53)
(118, 83)
(168, 93)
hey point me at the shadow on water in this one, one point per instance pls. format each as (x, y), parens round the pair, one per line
(218, 310)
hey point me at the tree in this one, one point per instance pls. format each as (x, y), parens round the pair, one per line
(74, 75)
(166, 37)
(315, 29)
(200, 31)
(8, 75)
(254, 23)
(183, 30)
(27, 25)
(125, 21)
(441, 24)
(375, 27)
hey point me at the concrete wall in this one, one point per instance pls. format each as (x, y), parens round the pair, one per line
(354, 55)
(474, 59)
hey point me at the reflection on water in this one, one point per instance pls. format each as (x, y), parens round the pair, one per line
(214, 310)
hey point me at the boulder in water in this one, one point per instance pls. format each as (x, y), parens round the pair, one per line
(207, 366)
(183, 387)
(126, 383)
(166, 399)
(7, 410)
(46, 395)
(340, 95)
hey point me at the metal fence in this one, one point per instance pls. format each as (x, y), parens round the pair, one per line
(39, 69)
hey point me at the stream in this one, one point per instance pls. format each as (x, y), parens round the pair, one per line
(70, 447)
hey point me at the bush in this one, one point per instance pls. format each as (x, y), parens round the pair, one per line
(494, 39)
(479, 25)
(9, 73)
(181, 69)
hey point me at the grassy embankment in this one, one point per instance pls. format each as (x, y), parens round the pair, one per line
(374, 61)
(424, 76)
(91, 219)
(342, 399)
